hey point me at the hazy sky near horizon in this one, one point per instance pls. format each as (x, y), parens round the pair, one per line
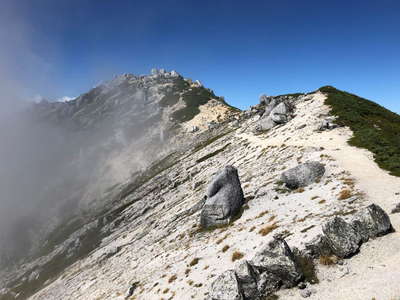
(240, 49)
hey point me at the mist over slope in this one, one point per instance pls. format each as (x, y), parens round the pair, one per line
(59, 158)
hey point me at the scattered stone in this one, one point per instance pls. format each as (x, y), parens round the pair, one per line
(224, 198)
(303, 174)
(327, 124)
(131, 289)
(305, 293)
(396, 209)
(342, 238)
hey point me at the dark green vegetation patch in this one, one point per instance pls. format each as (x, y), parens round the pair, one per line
(375, 127)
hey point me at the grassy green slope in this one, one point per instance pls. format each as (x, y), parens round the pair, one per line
(375, 128)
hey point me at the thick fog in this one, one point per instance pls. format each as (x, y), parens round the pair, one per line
(30, 155)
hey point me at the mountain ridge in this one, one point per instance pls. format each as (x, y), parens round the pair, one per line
(161, 201)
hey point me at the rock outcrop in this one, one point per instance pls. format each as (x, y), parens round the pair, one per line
(303, 175)
(370, 222)
(344, 239)
(275, 111)
(224, 198)
(273, 267)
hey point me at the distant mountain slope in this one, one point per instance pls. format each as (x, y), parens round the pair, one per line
(85, 147)
(375, 127)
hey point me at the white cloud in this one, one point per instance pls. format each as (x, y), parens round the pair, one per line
(65, 99)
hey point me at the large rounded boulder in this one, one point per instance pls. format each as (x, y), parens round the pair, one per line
(224, 199)
(303, 174)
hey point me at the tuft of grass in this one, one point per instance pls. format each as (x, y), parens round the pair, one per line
(322, 201)
(172, 278)
(375, 128)
(328, 260)
(237, 255)
(268, 229)
(225, 248)
(262, 214)
(307, 266)
(194, 261)
(219, 241)
(345, 194)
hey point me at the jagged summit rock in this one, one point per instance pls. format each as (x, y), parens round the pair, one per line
(224, 198)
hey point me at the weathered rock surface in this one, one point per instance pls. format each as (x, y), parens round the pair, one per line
(370, 222)
(273, 267)
(247, 277)
(226, 287)
(224, 198)
(343, 239)
(277, 259)
(303, 174)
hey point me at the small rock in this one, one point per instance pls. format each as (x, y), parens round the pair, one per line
(396, 210)
(305, 293)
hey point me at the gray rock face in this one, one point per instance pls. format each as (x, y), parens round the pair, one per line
(303, 174)
(271, 268)
(277, 259)
(264, 99)
(370, 222)
(343, 239)
(280, 113)
(248, 279)
(226, 287)
(278, 110)
(224, 198)
(318, 246)
(265, 124)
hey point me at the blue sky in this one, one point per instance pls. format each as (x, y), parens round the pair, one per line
(240, 49)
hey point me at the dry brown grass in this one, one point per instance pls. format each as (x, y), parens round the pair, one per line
(172, 278)
(271, 218)
(268, 229)
(299, 190)
(219, 241)
(225, 248)
(344, 194)
(322, 201)
(190, 282)
(328, 260)
(262, 214)
(252, 228)
(237, 255)
(194, 261)
(165, 291)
